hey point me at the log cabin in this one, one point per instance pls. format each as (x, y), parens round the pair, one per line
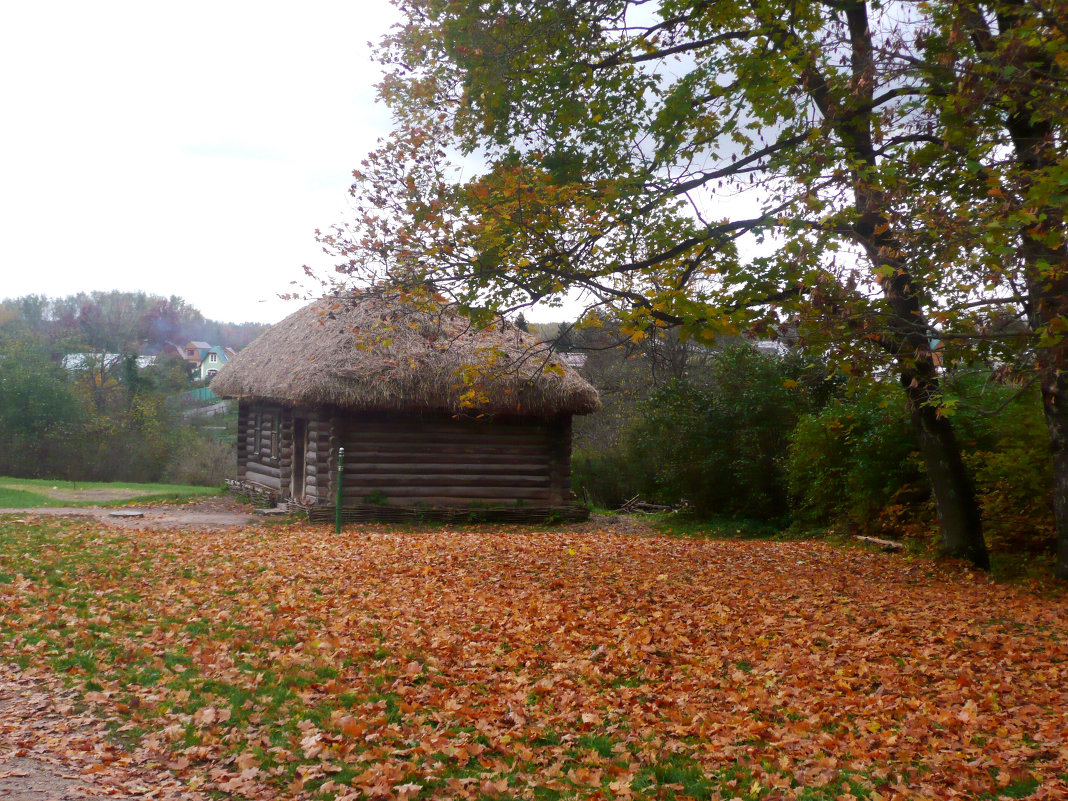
(437, 417)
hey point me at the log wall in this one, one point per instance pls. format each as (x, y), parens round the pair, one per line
(260, 444)
(433, 460)
(427, 460)
(317, 484)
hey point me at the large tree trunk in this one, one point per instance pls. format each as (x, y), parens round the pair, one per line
(1055, 404)
(958, 511)
(1045, 255)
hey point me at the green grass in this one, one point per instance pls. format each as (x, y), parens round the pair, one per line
(41, 492)
(679, 525)
(15, 499)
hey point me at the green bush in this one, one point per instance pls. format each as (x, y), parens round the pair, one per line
(853, 458)
(1006, 447)
(604, 478)
(40, 414)
(720, 445)
(202, 461)
(856, 462)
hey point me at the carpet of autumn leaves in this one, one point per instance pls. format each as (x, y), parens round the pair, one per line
(502, 663)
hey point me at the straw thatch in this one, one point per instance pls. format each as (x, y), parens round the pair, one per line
(382, 353)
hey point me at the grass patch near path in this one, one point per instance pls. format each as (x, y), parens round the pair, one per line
(35, 492)
(681, 525)
(505, 662)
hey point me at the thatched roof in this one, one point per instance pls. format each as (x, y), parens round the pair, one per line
(371, 352)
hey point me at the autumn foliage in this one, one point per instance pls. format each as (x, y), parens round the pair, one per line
(590, 663)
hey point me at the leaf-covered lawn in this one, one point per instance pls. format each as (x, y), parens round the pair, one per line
(518, 664)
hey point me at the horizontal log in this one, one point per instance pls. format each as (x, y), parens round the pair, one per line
(416, 480)
(273, 482)
(447, 430)
(408, 421)
(260, 467)
(450, 424)
(406, 452)
(428, 501)
(357, 493)
(475, 438)
(509, 467)
(886, 545)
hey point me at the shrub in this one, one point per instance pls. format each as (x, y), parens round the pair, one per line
(853, 458)
(720, 445)
(1006, 447)
(604, 478)
(40, 415)
(202, 460)
(856, 462)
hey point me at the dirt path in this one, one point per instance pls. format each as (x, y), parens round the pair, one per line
(50, 752)
(209, 513)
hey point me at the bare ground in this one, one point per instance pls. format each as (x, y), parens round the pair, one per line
(221, 512)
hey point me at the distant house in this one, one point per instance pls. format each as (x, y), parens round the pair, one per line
(213, 359)
(194, 351)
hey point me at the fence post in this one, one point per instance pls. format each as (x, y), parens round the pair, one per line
(340, 472)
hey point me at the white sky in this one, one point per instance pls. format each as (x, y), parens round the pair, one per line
(184, 149)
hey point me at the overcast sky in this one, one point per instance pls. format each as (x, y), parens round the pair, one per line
(180, 148)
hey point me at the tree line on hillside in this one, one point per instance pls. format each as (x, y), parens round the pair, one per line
(108, 416)
(120, 322)
(904, 166)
